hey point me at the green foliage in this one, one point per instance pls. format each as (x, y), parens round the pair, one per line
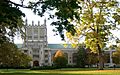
(10, 20)
(10, 56)
(60, 61)
(81, 56)
(116, 56)
(45, 68)
(61, 7)
(92, 59)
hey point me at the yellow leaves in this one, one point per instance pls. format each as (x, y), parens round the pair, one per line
(73, 39)
(78, 32)
(65, 45)
(68, 34)
(74, 45)
(93, 40)
(90, 43)
(69, 20)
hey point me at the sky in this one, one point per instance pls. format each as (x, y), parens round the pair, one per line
(30, 16)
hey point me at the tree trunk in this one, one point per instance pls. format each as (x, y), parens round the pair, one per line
(100, 58)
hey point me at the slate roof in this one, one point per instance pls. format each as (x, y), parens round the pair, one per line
(58, 46)
(52, 46)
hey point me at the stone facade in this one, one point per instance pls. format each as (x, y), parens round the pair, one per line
(36, 45)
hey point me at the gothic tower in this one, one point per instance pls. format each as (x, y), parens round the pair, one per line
(36, 40)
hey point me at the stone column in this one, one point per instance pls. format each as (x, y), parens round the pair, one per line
(70, 58)
(111, 61)
(50, 58)
(42, 55)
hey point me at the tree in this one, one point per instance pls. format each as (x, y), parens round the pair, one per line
(10, 20)
(59, 59)
(96, 21)
(81, 56)
(91, 58)
(10, 56)
(116, 56)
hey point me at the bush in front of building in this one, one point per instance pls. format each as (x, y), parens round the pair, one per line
(14, 67)
(60, 61)
(116, 56)
(45, 68)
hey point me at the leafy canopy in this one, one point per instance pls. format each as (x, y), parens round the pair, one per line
(10, 20)
(12, 57)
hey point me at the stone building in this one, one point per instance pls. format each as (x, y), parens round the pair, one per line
(36, 45)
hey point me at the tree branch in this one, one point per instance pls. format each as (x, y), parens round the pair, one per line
(20, 5)
(24, 6)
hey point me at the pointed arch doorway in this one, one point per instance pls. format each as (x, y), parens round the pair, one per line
(36, 63)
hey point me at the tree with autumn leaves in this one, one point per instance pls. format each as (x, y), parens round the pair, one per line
(59, 59)
(96, 21)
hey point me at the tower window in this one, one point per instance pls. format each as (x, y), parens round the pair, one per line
(29, 37)
(35, 56)
(46, 61)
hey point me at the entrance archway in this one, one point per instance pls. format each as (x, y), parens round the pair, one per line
(35, 63)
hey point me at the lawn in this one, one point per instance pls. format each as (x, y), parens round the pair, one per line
(73, 71)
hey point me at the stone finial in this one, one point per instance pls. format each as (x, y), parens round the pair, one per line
(45, 21)
(38, 23)
(32, 23)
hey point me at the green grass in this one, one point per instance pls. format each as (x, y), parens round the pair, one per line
(68, 71)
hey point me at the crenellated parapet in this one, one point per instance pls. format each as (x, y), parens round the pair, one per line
(35, 25)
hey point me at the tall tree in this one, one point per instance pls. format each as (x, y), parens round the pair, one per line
(97, 19)
(10, 20)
